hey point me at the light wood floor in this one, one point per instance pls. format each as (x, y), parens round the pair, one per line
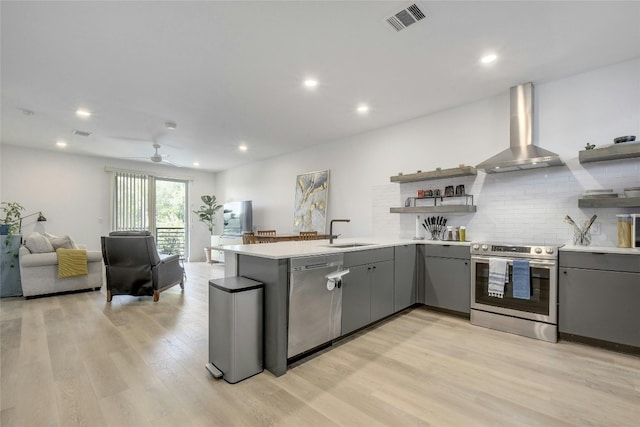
(76, 360)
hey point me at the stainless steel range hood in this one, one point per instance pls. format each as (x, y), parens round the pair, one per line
(521, 154)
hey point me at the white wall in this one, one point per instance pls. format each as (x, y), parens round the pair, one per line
(72, 191)
(593, 107)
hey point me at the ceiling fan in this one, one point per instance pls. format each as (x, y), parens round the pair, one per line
(157, 157)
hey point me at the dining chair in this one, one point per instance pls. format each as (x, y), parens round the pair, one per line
(248, 238)
(266, 232)
(308, 235)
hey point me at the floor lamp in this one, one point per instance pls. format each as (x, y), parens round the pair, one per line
(41, 218)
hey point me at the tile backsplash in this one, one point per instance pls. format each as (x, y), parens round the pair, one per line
(520, 207)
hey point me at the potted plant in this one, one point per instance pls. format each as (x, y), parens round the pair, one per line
(207, 215)
(11, 212)
(9, 273)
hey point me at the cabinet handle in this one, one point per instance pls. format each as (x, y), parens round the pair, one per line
(564, 272)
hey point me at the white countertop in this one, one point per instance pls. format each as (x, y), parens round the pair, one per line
(301, 248)
(603, 249)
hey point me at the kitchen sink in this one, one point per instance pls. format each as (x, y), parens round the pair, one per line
(348, 245)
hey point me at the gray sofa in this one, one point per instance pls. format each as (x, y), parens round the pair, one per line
(39, 273)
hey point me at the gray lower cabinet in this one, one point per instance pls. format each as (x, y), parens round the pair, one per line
(367, 291)
(599, 297)
(356, 297)
(447, 277)
(404, 277)
(381, 275)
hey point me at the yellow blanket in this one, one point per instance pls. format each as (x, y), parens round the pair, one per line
(72, 262)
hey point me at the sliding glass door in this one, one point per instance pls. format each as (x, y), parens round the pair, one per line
(159, 205)
(171, 216)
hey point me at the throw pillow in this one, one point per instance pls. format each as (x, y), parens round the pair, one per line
(64, 242)
(38, 244)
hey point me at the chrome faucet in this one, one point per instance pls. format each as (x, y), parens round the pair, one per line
(331, 235)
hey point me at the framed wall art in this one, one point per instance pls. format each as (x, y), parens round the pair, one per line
(310, 211)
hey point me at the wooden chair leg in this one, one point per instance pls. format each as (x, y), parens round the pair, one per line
(109, 296)
(156, 295)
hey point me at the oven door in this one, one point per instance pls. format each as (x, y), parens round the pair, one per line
(542, 305)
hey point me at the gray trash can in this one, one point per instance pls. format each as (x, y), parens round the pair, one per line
(235, 328)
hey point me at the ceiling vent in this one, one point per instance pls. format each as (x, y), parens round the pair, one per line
(81, 133)
(407, 16)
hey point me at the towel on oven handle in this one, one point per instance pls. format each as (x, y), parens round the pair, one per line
(521, 279)
(498, 276)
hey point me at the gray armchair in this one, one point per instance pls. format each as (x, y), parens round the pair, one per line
(134, 267)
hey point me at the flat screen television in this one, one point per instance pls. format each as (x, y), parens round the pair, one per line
(238, 218)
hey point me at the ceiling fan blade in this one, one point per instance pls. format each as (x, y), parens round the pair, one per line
(170, 163)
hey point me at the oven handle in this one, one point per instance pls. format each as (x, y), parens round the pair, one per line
(541, 264)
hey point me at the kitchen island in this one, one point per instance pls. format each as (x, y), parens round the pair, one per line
(411, 282)
(269, 264)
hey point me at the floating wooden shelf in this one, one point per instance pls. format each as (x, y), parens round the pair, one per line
(613, 202)
(625, 150)
(435, 209)
(437, 174)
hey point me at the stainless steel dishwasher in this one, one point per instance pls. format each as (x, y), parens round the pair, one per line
(315, 302)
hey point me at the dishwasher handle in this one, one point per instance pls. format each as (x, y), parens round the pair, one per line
(316, 266)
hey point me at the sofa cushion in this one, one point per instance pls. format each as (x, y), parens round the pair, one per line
(64, 242)
(38, 244)
(28, 260)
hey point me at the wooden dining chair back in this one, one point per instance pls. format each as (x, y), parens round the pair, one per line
(308, 235)
(266, 232)
(248, 238)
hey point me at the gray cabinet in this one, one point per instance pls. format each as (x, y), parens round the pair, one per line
(599, 297)
(405, 278)
(447, 277)
(381, 275)
(367, 291)
(356, 299)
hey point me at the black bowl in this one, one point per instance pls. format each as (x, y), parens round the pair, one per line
(627, 138)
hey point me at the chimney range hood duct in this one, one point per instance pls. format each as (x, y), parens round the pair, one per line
(521, 154)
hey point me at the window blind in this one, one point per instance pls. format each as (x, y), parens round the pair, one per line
(131, 201)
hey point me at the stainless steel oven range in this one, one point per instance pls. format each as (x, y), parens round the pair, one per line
(514, 288)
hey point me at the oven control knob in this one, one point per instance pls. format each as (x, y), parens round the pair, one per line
(485, 247)
(538, 250)
(476, 247)
(549, 251)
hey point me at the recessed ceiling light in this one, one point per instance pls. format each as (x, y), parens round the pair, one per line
(310, 83)
(243, 147)
(61, 144)
(171, 125)
(83, 113)
(488, 59)
(196, 164)
(362, 108)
